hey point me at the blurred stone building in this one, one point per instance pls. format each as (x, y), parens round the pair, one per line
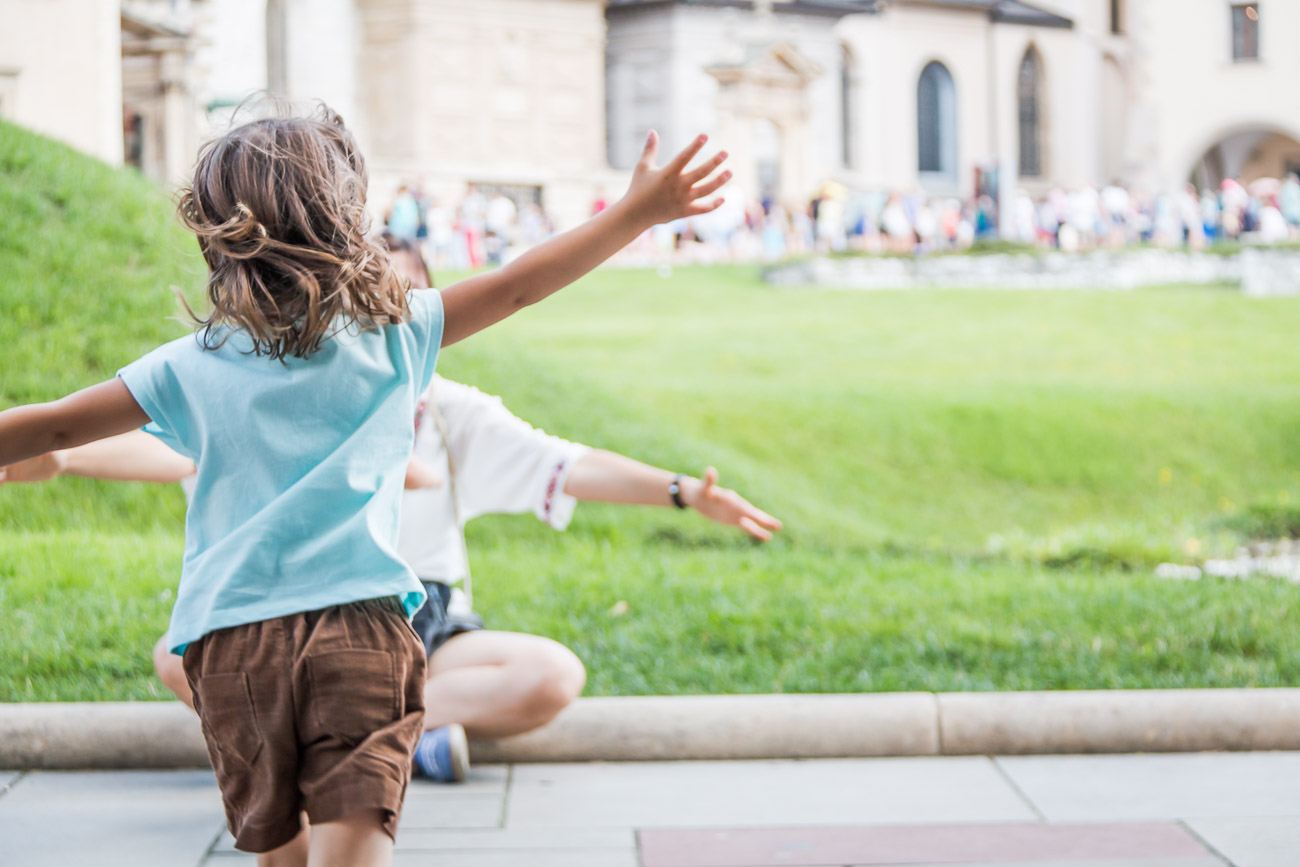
(939, 95)
(550, 100)
(114, 79)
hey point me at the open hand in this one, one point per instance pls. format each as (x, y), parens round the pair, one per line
(660, 194)
(727, 507)
(37, 469)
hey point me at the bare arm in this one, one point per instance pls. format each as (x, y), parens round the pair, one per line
(94, 413)
(607, 477)
(140, 457)
(130, 457)
(656, 195)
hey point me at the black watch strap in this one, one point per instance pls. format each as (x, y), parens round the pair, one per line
(675, 490)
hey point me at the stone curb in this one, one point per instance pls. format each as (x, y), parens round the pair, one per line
(640, 728)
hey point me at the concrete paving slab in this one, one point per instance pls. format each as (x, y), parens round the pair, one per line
(617, 858)
(1173, 786)
(428, 813)
(467, 811)
(916, 844)
(511, 858)
(1091, 862)
(494, 839)
(747, 794)
(498, 858)
(120, 818)
(475, 803)
(481, 780)
(522, 839)
(1253, 842)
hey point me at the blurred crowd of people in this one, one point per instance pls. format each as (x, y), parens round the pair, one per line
(490, 227)
(483, 228)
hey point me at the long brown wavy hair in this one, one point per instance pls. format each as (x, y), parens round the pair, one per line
(279, 208)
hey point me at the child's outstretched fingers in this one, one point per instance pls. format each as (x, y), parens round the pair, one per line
(678, 163)
(651, 150)
(753, 528)
(660, 194)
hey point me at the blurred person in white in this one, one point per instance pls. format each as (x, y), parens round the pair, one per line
(1188, 204)
(1024, 218)
(471, 457)
(897, 226)
(442, 233)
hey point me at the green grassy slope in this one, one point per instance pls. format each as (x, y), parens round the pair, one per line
(88, 256)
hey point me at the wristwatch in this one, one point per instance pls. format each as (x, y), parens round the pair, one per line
(675, 490)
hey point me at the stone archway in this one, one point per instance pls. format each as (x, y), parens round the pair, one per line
(763, 110)
(1247, 153)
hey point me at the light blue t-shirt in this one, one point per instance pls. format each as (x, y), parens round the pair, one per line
(300, 468)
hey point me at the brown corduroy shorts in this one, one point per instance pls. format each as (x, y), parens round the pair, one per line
(318, 711)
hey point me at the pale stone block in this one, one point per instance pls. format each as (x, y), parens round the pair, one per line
(101, 735)
(1116, 721)
(728, 727)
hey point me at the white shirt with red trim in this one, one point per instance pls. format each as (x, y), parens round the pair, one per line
(503, 466)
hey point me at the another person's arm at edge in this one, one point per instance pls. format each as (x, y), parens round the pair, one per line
(655, 195)
(130, 457)
(608, 477)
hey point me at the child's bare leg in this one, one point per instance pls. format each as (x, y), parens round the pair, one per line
(291, 854)
(498, 684)
(357, 840)
(171, 672)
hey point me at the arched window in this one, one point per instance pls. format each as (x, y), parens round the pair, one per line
(936, 121)
(277, 75)
(846, 106)
(1029, 96)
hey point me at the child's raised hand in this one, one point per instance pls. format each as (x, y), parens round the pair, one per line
(660, 194)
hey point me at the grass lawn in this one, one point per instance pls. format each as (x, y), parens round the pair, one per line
(976, 485)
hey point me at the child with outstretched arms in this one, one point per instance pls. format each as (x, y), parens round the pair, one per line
(294, 398)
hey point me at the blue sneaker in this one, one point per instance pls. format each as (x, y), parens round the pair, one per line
(442, 754)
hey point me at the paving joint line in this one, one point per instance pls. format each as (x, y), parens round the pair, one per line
(504, 815)
(1209, 847)
(210, 851)
(1015, 787)
(22, 775)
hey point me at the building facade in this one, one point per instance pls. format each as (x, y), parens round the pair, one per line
(60, 71)
(940, 95)
(498, 94)
(550, 100)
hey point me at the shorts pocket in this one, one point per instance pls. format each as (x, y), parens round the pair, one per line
(354, 693)
(229, 717)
